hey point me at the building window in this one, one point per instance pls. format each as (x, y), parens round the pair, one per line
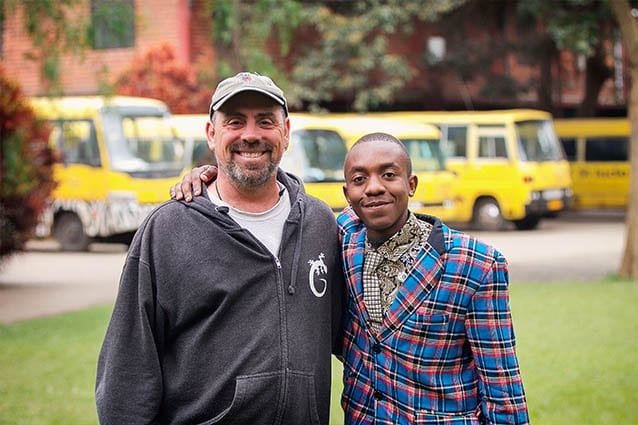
(112, 24)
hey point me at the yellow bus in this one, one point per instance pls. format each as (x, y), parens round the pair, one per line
(191, 128)
(117, 157)
(510, 164)
(435, 191)
(598, 154)
(315, 154)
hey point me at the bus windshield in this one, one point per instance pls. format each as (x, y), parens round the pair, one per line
(140, 142)
(538, 141)
(426, 154)
(316, 156)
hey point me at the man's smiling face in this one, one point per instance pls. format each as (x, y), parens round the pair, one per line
(249, 135)
(378, 185)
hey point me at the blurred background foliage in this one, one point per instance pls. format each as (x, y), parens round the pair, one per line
(348, 56)
(26, 161)
(158, 74)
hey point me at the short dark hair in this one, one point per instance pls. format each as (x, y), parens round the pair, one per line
(388, 138)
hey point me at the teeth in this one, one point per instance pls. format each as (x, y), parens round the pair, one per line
(250, 154)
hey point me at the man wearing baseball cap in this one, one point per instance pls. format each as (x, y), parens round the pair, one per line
(246, 81)
(229, 305)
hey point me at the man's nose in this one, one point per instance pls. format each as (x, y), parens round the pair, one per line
(375, 185)
(251, 132)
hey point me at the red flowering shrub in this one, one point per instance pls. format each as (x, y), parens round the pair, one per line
(157, 74)
(26, 175)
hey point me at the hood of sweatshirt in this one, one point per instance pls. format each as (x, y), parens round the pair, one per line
(296, 192)
(293, 184)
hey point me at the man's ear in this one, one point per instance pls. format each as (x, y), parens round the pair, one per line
(413, 181)
(345, 193)
(286, 132)
(210, 135)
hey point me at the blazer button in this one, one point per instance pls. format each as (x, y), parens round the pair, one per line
(378, 395)
(376, 348)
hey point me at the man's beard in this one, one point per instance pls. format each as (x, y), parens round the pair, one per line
(251, 180)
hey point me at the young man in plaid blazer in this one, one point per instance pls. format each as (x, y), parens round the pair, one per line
(428, 330)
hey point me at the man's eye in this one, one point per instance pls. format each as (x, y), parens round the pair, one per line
(266, 123)
(358, 179)
(234, 123)
(389, 175)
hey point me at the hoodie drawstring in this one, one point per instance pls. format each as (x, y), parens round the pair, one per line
(295, 263)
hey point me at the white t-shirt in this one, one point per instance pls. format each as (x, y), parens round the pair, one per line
(266, 226)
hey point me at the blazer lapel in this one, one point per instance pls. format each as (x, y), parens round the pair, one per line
(417, 287)
(354, 252)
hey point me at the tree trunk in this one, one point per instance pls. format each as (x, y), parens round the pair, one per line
(547, 53)
(629, 265)
(236, 49)
(596, 74)
(629, 36)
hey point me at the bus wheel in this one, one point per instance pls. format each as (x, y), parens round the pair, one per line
(69, 233)
(487, 215)
(528, 223)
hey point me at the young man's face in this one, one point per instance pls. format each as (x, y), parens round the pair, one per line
(378, 187)
(249, 135)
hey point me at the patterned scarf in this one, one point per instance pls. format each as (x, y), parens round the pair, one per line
(386, 267)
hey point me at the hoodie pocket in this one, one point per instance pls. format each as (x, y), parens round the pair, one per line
(301, 399)
(255, 401)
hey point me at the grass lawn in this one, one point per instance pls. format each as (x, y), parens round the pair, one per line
(577, 345)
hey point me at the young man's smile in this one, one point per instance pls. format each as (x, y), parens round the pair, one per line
(378, 185)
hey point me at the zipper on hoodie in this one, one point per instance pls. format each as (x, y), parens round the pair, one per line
(281, 294)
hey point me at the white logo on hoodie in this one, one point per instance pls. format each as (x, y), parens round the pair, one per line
(317, 274)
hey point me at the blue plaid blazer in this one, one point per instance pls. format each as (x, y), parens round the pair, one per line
(445, 353)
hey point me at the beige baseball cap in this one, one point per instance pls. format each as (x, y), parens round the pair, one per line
(246, 81)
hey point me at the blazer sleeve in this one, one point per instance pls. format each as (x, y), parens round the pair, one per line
(491, 337)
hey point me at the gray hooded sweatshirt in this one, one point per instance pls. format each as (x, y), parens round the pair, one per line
(210, 328)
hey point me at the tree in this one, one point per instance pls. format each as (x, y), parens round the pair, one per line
(26, 177)
(350, 57)
(254, 35)
(580, 26)
(629, 35)
(348, 52)
(158, 74)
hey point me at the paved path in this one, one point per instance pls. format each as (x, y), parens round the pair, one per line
(44, 282)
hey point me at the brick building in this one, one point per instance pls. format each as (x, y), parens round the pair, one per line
(155, 22)
(185, 25)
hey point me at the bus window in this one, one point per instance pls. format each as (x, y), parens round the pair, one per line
(77, 141)
(202, 155)
(455, 141)
(606, 149)
(569, 146)
(325, 153)
(538, 141)
(426, 154)
(142, 144)
(492, 147)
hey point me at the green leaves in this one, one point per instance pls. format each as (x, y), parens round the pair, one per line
(26, 177)
(345, 50)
